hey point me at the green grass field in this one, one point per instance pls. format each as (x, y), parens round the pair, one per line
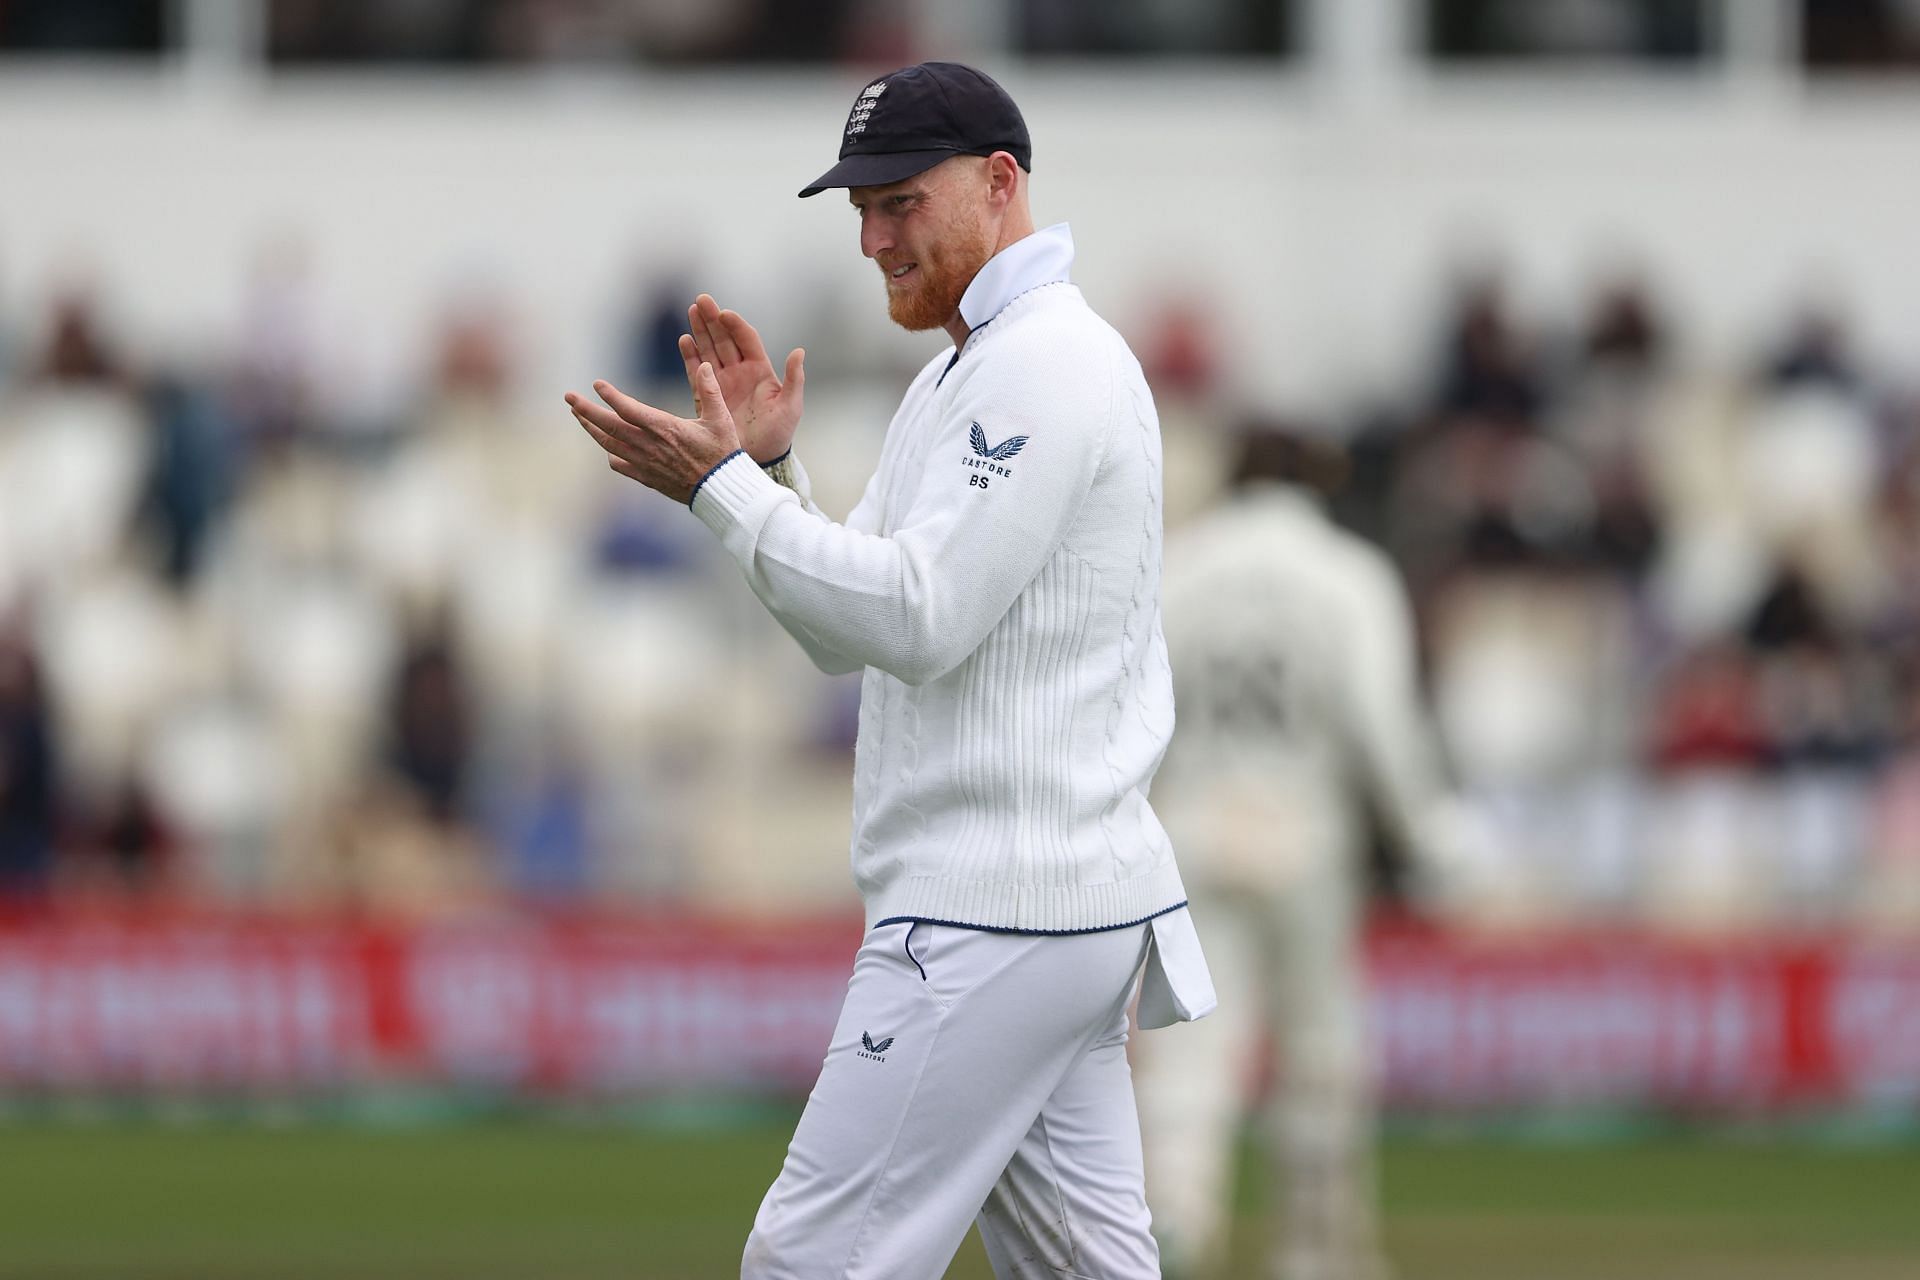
(557, 1202)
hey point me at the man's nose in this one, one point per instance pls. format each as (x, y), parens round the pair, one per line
(875, 237)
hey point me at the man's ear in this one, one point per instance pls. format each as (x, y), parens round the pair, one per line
(1003, 177)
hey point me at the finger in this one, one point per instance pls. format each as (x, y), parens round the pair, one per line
(796, 372)
(613, 431)
(723, 339)
(636, 412)
(614, 449)
(579, 405)
(702, 335)
(599, 416)
(606, 439)
(689, 355)
(743, 335)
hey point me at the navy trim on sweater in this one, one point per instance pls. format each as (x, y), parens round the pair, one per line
(716, 466)
(963, 346)
(1035, 933)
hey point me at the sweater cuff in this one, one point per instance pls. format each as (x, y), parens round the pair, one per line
(725, 497)
(701, 482)
(787, 472)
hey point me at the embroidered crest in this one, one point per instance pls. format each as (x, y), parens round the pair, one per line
(863, 108)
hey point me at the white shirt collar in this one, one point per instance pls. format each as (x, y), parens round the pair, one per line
(1029, 262)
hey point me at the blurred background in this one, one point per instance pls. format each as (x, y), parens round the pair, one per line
(371, 757)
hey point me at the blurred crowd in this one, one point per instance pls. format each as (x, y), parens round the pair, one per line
(1671, 613)
(257, 648)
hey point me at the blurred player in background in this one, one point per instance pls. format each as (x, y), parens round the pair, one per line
(1294, 674)
(999, 584)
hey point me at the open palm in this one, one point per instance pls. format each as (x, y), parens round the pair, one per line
(765, 407)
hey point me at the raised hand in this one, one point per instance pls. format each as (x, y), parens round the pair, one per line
(765, 408)
(650, 445)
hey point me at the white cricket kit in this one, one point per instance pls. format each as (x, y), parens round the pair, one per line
(999, 582)
(1292, 647)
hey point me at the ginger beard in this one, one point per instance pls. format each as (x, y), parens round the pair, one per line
(930, 294)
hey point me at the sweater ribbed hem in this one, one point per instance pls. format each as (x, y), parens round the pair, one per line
(1028, 908)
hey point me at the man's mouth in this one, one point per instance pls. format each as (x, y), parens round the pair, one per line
(898, 274)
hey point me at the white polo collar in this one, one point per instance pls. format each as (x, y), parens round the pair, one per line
(1029, 262)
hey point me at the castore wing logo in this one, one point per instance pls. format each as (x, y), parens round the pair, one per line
(998, 452)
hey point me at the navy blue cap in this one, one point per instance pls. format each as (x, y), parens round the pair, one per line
(909, 120)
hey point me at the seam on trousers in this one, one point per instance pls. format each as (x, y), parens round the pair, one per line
(1019, 1212)
(886, 1166)
(1059, 1197)
(907, 946)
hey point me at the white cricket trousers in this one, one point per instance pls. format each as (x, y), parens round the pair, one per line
(973, 1076)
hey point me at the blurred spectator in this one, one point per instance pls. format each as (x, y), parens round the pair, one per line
(122, 848)
(1475, 494)
(474, 359)
(1707, 713)
(1180, 350)
(431, 726)
(1609, 412)
(29, 785)
(653, 344)
(1813, 467)
(75, 352)
(276, 366)
(1825, 707)
(1624, 331)
(541, 820)
(1712, 821)
(1488, 369)
(1815, 351)
(195, 462)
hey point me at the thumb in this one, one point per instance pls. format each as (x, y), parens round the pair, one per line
(707, 400)
(796, 372)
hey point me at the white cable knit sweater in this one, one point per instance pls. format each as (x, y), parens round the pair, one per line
(999, 581)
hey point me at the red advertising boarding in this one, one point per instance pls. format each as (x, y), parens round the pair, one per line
(138, 1002)
(1586, 1020)
(633, 1005)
